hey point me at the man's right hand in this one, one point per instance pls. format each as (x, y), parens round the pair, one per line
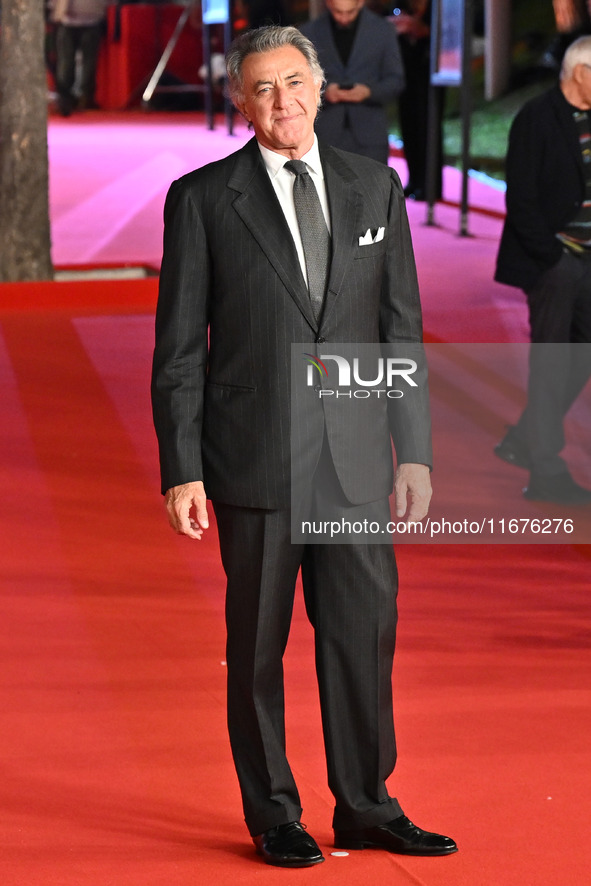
(187, 509)
(331, 93)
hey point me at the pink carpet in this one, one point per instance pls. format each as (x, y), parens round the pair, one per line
(110, 174)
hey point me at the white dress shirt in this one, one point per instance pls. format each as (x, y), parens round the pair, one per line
(282, 181)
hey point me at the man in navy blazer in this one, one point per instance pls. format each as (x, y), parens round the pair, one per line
(233, 301)
(359, 53)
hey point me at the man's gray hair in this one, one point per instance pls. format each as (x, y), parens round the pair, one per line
(578, 53)
(264, 40)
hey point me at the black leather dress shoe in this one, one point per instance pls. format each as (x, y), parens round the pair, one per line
(559, 488)
(400, 836)
(512, 450)
(288, 846)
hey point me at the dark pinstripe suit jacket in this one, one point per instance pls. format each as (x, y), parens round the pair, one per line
(233, 300)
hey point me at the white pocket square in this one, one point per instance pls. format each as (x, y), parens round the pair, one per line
(369, 238)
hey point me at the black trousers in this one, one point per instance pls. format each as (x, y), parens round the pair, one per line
(560, 358)
(413, 115)
(69, 41)
(350, 594)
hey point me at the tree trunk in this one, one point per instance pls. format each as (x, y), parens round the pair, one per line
(25, 250)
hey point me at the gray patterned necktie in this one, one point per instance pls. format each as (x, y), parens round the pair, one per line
(313, 231)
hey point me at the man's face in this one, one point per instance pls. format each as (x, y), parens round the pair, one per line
(344, 12)
(280, 99)
(582, 78)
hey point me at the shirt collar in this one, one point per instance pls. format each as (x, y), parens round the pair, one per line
(275, 162)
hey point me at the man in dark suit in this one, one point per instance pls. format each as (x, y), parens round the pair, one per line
(545, 249)
(359, 53)
(238, 288)
(413, 26)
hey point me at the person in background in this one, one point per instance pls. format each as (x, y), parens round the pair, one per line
(264, 12)
(545, 249)
(79, 29)
(412, 20)
(573, 20)
(361, 59)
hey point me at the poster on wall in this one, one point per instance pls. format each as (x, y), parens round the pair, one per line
(447, 42)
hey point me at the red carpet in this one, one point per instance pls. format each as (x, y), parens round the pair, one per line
(115, 763)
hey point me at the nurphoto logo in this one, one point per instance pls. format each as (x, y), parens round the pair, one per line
(386, 372)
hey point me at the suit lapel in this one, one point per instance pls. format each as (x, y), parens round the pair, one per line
(360, 43)
(345, 216)
(327, 47)
(259, 209)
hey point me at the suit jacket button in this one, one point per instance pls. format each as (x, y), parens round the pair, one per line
(320, 340)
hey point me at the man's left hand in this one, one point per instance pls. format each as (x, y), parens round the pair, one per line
(412, 487)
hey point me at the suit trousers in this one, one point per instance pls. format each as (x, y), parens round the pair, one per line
(560, 358)
(413, 116)
(350, 595)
